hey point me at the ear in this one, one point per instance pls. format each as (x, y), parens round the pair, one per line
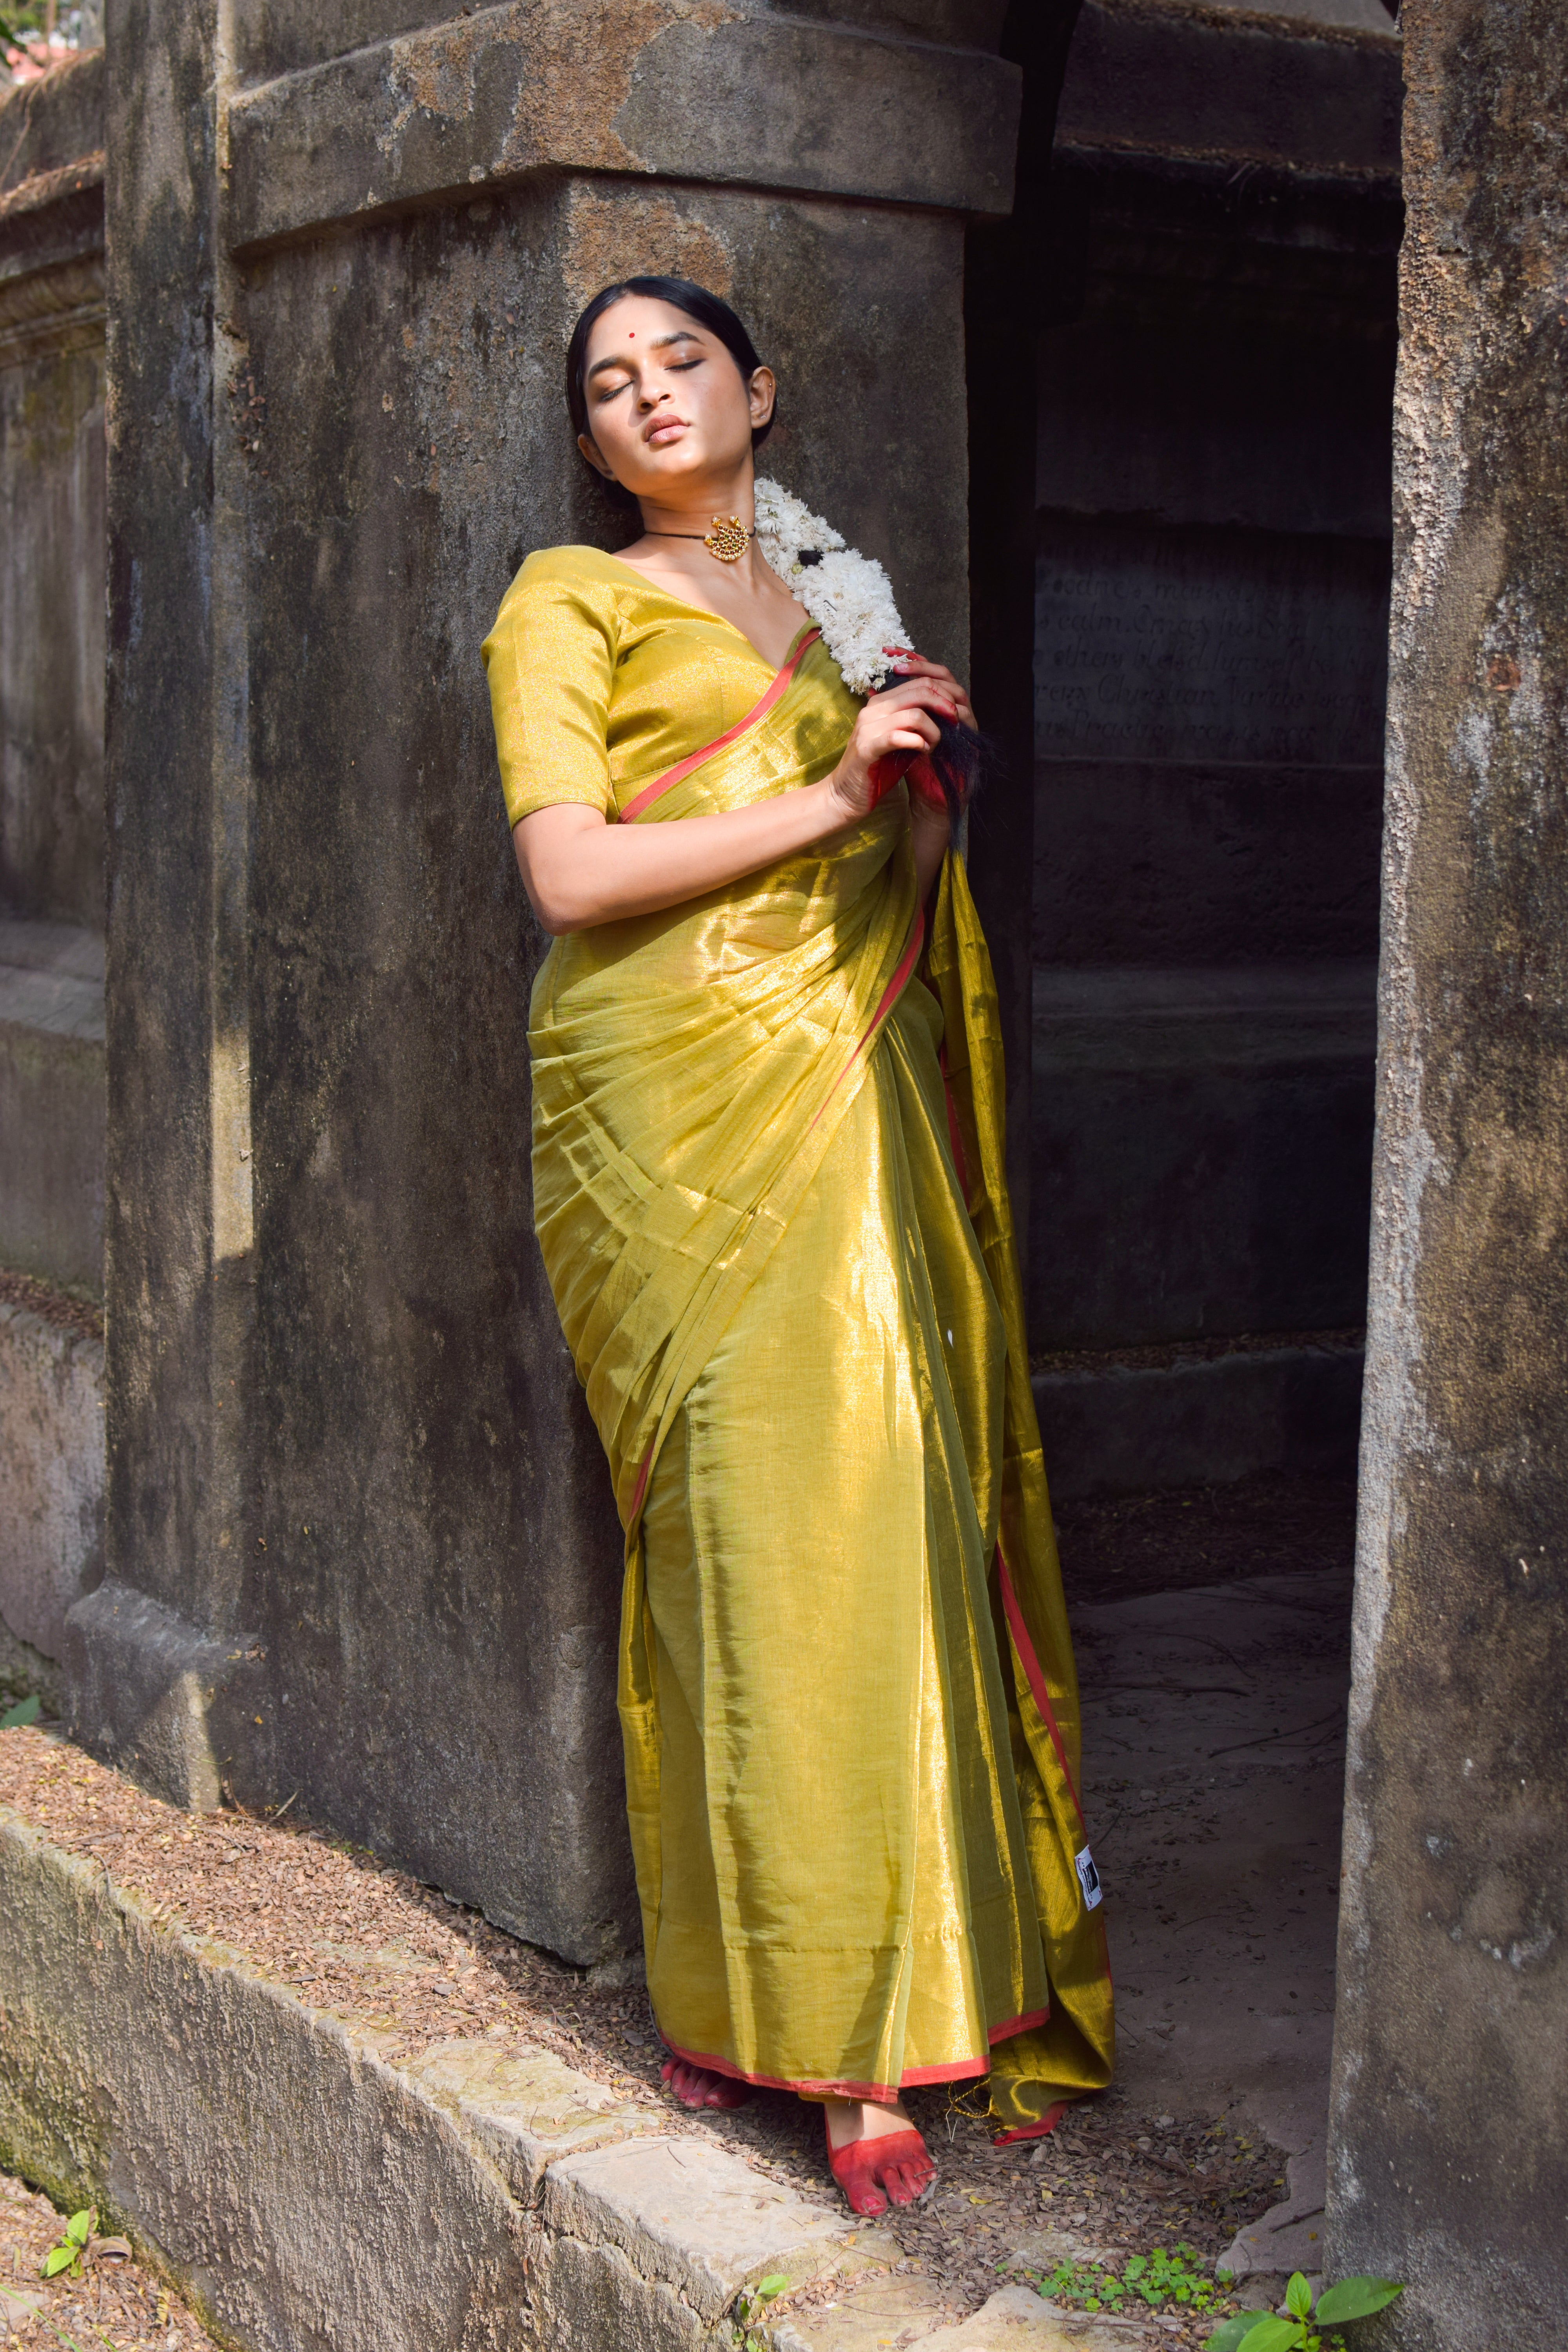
(760, 395)
(591, 451)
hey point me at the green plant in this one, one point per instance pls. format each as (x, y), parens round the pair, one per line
(1158, 2279)
(753, 2306)
(1266, 2331)
(68, 2254)
(26, 1710)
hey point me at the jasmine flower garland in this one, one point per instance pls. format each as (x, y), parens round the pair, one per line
(848, 595)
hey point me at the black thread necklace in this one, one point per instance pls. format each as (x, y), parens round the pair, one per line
(726, 542)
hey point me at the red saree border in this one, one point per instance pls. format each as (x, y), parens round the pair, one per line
(1047, 2122)
(1037, 1679)
(958, 2070)
(759, 710)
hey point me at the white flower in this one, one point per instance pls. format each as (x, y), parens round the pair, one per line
(848, 595)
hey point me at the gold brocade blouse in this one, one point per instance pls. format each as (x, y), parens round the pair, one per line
(600, 680)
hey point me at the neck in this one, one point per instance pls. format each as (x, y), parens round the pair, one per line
(694, 509)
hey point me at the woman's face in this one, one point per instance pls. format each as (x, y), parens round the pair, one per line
(668, 407)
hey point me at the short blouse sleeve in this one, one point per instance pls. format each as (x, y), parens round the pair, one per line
(550, 660)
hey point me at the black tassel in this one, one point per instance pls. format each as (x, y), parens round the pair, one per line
(961, 760)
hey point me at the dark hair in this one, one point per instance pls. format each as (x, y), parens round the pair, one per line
(681, 294)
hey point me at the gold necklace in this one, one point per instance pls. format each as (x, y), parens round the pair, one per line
(726, 542)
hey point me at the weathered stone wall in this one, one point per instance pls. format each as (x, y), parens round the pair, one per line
(1449, 2161)
(357, 1513)
(51, 1476)
(51, 497)
(51, 849)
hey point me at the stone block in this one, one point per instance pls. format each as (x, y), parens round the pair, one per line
(303, 2193)
(746, 96)
(51, 1477)
(1298, 92)
(691, 2215)
(897, 2311)
(154, 1695)
(1131, 1429)
(586, 2298)
(52, 1104)
(528, 2112)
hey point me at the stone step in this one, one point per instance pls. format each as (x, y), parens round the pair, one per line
(305, 2192)
(1120, 1429)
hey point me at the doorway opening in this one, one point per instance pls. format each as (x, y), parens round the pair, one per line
(1198, 285)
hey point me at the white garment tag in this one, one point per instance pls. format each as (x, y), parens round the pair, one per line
(1089, 1879)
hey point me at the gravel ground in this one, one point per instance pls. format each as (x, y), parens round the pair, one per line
(115, 2301)
(351, 1935)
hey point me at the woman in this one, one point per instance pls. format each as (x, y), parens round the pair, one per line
(767, 1161)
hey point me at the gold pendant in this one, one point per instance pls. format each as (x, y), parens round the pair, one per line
(727, 539)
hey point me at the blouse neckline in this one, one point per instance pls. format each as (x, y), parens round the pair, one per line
(708, 613)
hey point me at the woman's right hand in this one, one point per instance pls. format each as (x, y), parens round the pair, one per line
(895, 721)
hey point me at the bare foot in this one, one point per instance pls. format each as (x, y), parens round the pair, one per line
(876, 2155)
(703, 2086)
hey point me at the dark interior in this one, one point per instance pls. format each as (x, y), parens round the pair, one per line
(1207, 340)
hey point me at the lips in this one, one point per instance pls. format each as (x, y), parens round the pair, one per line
(664, 429)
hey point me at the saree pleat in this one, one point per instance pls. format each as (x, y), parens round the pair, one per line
(768, 1157)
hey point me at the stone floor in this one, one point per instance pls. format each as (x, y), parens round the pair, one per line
(1213, 1768)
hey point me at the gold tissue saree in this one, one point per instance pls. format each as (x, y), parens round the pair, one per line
(769, 1191)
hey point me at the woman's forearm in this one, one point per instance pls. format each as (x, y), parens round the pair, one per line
(579, 870)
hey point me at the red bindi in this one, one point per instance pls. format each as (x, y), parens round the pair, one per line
(631, 334)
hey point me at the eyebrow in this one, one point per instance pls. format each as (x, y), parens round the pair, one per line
(659, 343)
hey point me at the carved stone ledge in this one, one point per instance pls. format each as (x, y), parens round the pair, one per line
(695, 91)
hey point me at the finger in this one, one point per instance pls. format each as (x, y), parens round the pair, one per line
(914, 666)
(925, 692)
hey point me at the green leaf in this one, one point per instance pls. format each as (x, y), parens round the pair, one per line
(1298, 2296)
(60, 2258)
(26, 1710)
(775, 2283)
(1227, 2335)
(1355, 2298)
(1271, 2335)
(78, 2228)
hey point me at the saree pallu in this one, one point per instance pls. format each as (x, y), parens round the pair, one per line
(769, 1191)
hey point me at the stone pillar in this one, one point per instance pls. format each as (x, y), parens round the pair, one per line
(360, 1543)
(1449, 2156)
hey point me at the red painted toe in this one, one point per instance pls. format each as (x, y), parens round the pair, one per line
(898, 2163)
